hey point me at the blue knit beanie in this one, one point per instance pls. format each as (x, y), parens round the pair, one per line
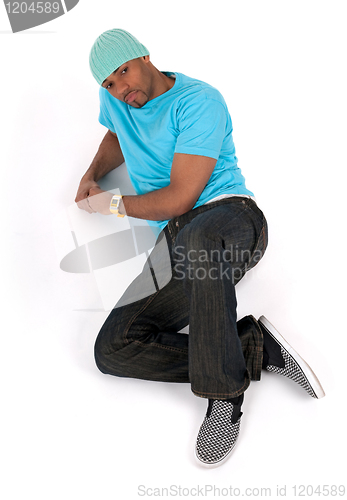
(112, 49)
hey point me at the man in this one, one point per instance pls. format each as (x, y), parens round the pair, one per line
(175, 135)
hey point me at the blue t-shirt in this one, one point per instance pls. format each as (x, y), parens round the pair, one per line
(192, 118)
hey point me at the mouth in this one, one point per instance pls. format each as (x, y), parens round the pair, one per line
(131, 96)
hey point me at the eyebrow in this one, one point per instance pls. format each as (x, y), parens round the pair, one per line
(115, 71)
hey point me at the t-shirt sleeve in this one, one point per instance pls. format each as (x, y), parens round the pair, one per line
(202, 127)
(104, 116)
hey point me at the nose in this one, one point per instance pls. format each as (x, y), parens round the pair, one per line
(121, 88)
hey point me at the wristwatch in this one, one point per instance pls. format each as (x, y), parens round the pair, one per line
(114, 205)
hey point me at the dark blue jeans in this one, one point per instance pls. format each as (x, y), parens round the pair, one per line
(198, 259)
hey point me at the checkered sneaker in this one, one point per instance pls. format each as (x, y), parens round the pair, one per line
(293, 371)
(295, 367)
(218, 434)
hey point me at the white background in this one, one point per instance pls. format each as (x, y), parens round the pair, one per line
(67, 431)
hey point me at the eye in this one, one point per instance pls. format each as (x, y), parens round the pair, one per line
(108, 86)
(124, 71)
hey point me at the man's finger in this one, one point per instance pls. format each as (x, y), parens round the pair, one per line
(90, 207)
(95, 190)
(84, 205)
(90, 202)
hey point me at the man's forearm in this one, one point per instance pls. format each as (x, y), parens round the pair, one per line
(108, 157)
(161, 204)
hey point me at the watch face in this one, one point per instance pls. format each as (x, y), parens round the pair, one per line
(115, 203)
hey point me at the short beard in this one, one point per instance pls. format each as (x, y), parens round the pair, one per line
(140, 105)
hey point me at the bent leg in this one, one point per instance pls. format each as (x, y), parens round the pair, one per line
(140, 337)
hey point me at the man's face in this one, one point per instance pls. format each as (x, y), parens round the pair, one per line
(132, 82)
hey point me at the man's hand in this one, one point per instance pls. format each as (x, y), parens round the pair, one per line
(99, 200)
(86, 185)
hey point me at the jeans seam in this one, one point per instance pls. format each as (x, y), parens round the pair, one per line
(168, 348)
(150, 299)
(127, 328)
(171, 234)
(261, 236)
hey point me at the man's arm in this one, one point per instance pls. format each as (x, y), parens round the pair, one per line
(189, 176)
(108, 157)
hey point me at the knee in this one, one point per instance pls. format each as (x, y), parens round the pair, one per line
(100, 352)
(107, 343)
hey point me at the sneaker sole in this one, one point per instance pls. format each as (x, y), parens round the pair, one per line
(306, 369)
(215, 464)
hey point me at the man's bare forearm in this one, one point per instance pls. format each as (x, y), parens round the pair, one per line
(108, 157)
(162, 204)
